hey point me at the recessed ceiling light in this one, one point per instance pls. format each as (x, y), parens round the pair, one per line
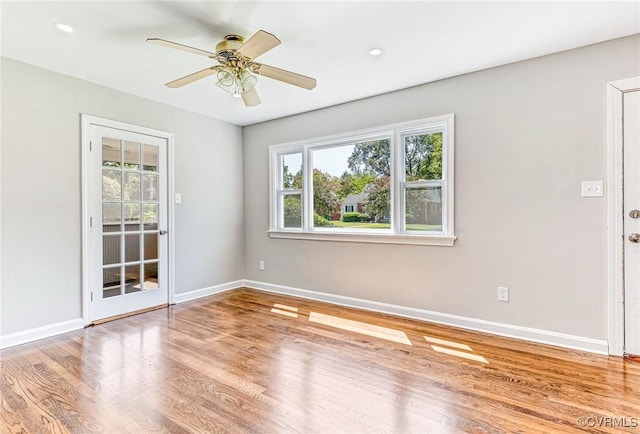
(63, 27)
(375, 51)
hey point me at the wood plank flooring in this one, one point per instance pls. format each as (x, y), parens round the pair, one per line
(247, 361)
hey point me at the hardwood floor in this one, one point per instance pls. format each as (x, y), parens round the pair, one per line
(246, 361)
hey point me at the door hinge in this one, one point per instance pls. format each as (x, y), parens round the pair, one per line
(90, 146)
(91, 222)
(91, 295)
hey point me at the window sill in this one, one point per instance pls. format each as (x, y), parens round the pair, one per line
(350, 237)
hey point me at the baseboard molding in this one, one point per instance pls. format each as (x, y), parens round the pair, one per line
(203, 292)
(508, 330)
(37, 333)
(48, 331)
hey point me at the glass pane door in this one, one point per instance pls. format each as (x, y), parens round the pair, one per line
(130, 206)
(130, 217)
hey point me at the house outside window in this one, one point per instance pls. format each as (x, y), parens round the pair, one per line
(392, 184)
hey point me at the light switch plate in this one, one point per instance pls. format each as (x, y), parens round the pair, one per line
(503, 293)
(592, 189)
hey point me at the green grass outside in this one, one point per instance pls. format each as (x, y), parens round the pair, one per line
(410, 227)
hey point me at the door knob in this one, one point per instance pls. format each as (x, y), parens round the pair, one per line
(634, 238)
(634, 214)
(164, 233)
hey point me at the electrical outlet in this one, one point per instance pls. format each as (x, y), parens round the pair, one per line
(503, 293)
(261, 265)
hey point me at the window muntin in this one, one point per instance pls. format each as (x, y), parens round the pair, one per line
(409, 192)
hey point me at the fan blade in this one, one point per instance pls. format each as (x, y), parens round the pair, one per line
(286, 76)
(251, 98)
(193, 77)
(182, 47)
(258, 44)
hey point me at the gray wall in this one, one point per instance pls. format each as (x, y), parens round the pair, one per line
(527, 134)
(41, 192)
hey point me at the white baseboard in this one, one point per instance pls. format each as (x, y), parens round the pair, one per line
(508, 330)
(47, 331)
(198, 293)
(37, 333)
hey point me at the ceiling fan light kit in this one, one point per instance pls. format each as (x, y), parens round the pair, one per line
(236, 69)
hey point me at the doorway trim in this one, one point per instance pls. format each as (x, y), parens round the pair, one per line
(615, 242)
(86, 122)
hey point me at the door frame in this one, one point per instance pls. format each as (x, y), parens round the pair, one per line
(86, 122)
(615, 216)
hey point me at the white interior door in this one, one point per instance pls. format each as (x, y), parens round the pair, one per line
(128, 225)
(631, 137)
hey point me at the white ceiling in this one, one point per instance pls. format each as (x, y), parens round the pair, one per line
(330, 40)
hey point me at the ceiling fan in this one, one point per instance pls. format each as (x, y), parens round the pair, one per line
(237, 67)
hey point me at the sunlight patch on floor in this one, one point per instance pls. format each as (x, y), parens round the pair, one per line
(360, 327)
(439, 345)
(462, 354)
(448, 343)
(285, 310)
(285, 307)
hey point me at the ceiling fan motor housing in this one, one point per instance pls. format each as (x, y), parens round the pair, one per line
(227, 47)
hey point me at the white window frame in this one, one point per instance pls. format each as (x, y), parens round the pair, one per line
(397, 234)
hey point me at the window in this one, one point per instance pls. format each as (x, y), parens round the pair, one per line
(392, 184)
(421, 186)
(354, 177)
(290, 190)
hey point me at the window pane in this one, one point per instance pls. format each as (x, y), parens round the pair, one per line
(131, 216)
(131, 155)
(111, 185)
(351, 185)
(110, 152)
(424, 209)
(132, 186)
(292, 171)
(132, 247)
(150, 246)
(151, 276)
(111, 249)
(292, 210)
(111, 282)
(423, 156)
(150, 186)
(150, 216)
(150, 158)
(111, 217)
(132, 279)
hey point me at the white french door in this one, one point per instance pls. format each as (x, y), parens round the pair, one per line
(127, 204)
(631, 218)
